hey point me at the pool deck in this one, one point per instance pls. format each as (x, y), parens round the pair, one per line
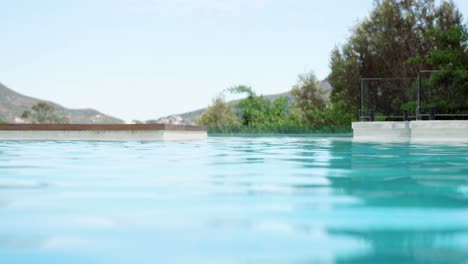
(102, 132)
(414, 131)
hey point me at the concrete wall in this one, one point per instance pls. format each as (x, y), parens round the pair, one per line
(103, 135)
(388, 131)
(417, 131)
(169, 135)
(447, 131)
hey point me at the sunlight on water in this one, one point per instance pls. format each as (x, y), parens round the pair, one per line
(233, 200)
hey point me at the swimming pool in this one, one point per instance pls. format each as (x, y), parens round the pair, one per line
(233, 200)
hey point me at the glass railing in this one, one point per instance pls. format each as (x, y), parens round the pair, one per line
(430, 96)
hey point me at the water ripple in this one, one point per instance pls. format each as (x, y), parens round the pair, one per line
(235, 200)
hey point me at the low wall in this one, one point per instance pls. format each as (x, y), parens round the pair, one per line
(415, 131)
(65, 132)
(391, 131)
(446, 131)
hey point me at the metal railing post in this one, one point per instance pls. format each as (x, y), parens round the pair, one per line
(372, 115)
(418, 107)
(432, 112)
(362, 103)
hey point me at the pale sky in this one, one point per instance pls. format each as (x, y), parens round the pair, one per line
(144, 59)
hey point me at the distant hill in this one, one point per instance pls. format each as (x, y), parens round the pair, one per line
(190, 117)
(13, 104)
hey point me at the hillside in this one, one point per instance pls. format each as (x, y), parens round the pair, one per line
(13, 104)
(190, 117)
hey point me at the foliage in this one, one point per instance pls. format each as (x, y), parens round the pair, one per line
(451, 48)
(259, 111)
(398, 39)
(43, 113)
(309, 99)
(218, 114)
(308, 93)
(312, 107)
(382, 44)
(286, 129)
(448, 88)
(338, 113)
(240, 89)
(345, 78)
(308, 113)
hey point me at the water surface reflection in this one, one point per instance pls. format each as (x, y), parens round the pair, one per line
(233, 200)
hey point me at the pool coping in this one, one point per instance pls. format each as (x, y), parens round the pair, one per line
(97, 127)
(435, 131)
(102, 132)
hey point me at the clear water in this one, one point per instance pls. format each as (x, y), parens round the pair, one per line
(233, 200)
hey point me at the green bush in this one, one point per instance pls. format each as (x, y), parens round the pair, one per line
(279, 129)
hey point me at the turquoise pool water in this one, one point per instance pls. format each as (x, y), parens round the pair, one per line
(233, 200)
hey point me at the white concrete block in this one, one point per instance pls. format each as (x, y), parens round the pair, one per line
(381, 131)
(439, 130)
(101, 132)
(414, 131)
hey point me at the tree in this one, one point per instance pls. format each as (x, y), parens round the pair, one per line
(258, 111)
(345, 78)
(43, 113)
(337, 113)
(308, 93)
(240, 89)
(448, 87)
(253, 109)
(309, 99)
(279, 114)
(451, 50)
(218, 114)
(381, 45)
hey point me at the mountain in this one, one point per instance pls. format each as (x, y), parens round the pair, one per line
(189, 118)
(13, 104)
